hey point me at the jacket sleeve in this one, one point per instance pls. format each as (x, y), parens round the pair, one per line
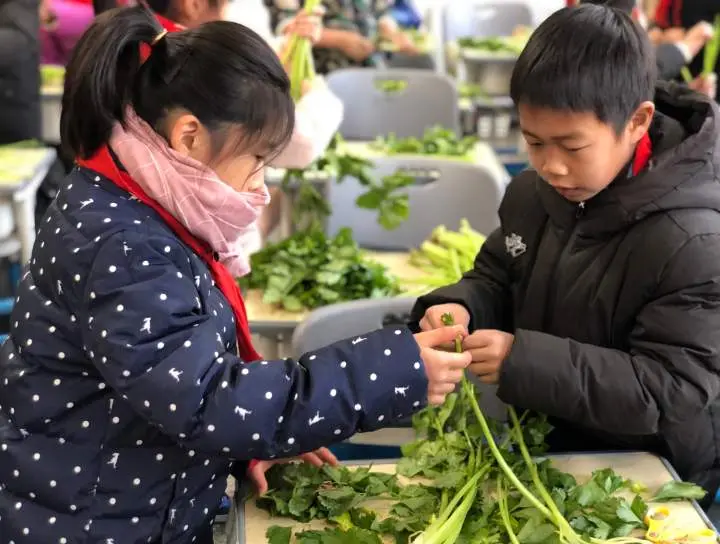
(670, 373)
(484, 291)
(155, 340)
(670, 60)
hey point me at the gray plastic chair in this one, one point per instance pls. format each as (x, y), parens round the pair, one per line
(482, 18)
(447, 191)
(345, 320)
(428, 99)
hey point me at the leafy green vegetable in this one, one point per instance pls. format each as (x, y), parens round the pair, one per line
(499, 44)
(278, 535)
(309, 270)
(480, 483)
(338, 536)
(385, 195)
(673, 491)
(435, 141)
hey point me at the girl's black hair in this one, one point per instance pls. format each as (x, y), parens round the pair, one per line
(221, 72)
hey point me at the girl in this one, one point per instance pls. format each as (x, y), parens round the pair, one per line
(129, 388)
(318, 113)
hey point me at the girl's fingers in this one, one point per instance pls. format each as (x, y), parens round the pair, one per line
(441, 388)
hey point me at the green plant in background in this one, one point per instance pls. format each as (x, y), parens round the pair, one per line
(385, 195)
(437, 141)
(710, 57)
(298, 56)
(309, 270)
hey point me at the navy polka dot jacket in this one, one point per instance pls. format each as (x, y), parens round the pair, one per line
(123, 405)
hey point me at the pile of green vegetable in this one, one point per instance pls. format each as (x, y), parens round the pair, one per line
(510, 45)
(385, 195)
(445, 256)
(468, 487)
(711, 55)
(52, 76)
(436, 141)
(309, 270)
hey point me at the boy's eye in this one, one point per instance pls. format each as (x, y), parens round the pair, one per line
(535, 144)
(575, 149)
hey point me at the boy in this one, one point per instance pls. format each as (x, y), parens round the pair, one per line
(597, 301)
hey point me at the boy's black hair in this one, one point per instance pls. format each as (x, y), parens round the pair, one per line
(221, 72)
(587, 59)
(626, 6)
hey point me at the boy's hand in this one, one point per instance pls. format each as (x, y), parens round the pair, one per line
(356, 46)
(488, 348)
(257, 470)
(433, 316)
(444, 370)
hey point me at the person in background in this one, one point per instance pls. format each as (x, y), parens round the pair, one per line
(351, 30)
(597, 300)
(19, 71)
(318, 113)
(672, 52)
(62, 24)
(675, 16)
(129, 386)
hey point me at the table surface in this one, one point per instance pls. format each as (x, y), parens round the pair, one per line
(644, 468)
(397, 263)
(18, 165)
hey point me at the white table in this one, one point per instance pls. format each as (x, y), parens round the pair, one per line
(29, 169)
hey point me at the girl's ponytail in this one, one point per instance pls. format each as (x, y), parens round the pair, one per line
(101, 76)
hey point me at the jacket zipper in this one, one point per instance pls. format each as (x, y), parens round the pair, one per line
(551, 301)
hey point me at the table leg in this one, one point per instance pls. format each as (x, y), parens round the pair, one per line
(24, 211)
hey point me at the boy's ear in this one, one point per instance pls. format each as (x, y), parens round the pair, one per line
(640, 121)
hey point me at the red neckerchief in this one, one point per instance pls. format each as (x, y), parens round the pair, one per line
(643, 152)
(104, 164)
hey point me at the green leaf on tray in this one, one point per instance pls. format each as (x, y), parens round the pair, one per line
(278, 535)
(673, 491)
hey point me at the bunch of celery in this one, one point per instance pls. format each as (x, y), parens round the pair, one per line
(298, 56)
(445, 256)
(447, 525)
(710, 58)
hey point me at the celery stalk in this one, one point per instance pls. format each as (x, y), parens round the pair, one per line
(712, 49)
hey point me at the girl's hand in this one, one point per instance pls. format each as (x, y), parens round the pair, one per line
(444, 370)
(257, 469)
(306, 25)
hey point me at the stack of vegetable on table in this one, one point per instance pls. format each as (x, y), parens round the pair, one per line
(470, 479)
